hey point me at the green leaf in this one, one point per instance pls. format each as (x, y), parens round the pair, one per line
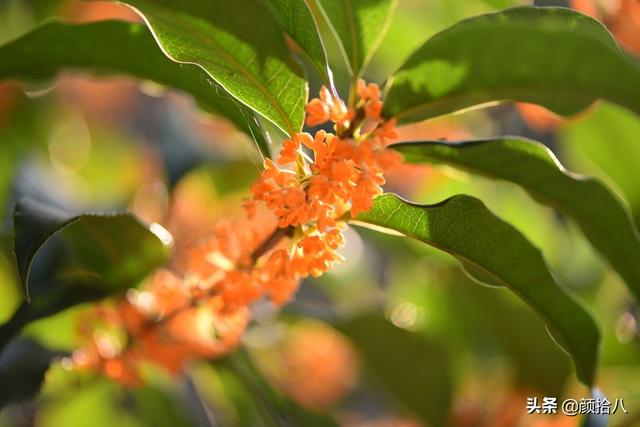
(22, 370)
(535, 361)
(297, 20)
(273, 407)
(360, 26)
(107, 252)
(55, 46)
(605, 143)
(419, 376)
(114, 47)
(239, 44)
(81, 258)
(602, 216)
(554, 57)
(463, 227)
(155, 406)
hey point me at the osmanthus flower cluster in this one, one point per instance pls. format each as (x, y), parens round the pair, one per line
(294, 228)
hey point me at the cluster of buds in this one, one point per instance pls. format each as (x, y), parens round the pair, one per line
(293, 229)
(165, 324)
(318, 179)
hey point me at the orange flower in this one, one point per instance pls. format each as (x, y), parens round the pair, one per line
(185, 330)
(370, 97)
(294, 230)
(625, 25)
(367, 92)
(346, 173)
(289, 152)
(315, 365)
(327, 107)
(319, 110)
(387, 131)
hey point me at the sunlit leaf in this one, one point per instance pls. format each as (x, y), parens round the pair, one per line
(114, 47)
(605, 143)
(412, 367)
(297, 20)
(239, 45)
(360, 26)
(602, 216)
(554, 57)
(463, 227)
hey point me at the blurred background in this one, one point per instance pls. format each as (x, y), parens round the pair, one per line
(395, 335)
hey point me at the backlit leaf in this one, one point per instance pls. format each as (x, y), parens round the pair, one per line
(602, 216)
(239, 45)
(114, 47)
(554, 57)
(360, 26)
(463, 227)
(297, 20)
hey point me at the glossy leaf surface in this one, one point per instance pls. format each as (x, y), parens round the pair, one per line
(602, 216)
(495, 253)
(360, 26)
(114, 47)
(240, 46)
(554, 57)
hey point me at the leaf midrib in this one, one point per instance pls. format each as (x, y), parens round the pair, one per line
(228, 57)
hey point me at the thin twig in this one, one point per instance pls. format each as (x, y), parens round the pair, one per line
(270, 242)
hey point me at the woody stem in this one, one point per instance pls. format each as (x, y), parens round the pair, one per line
(265, 246)
(270, 242)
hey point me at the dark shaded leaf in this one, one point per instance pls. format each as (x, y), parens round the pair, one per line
(107, 253)
(413, 368)
(554, 57)
(156, 407)
(463, 227)
(602, 216)
(297, 20)
(274, 407)
(59, 297)
(99, 255)
(23, 366)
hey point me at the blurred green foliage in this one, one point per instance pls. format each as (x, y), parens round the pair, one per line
(482, 350)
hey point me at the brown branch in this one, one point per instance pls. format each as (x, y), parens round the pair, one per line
(265, 246)
(270, 242)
